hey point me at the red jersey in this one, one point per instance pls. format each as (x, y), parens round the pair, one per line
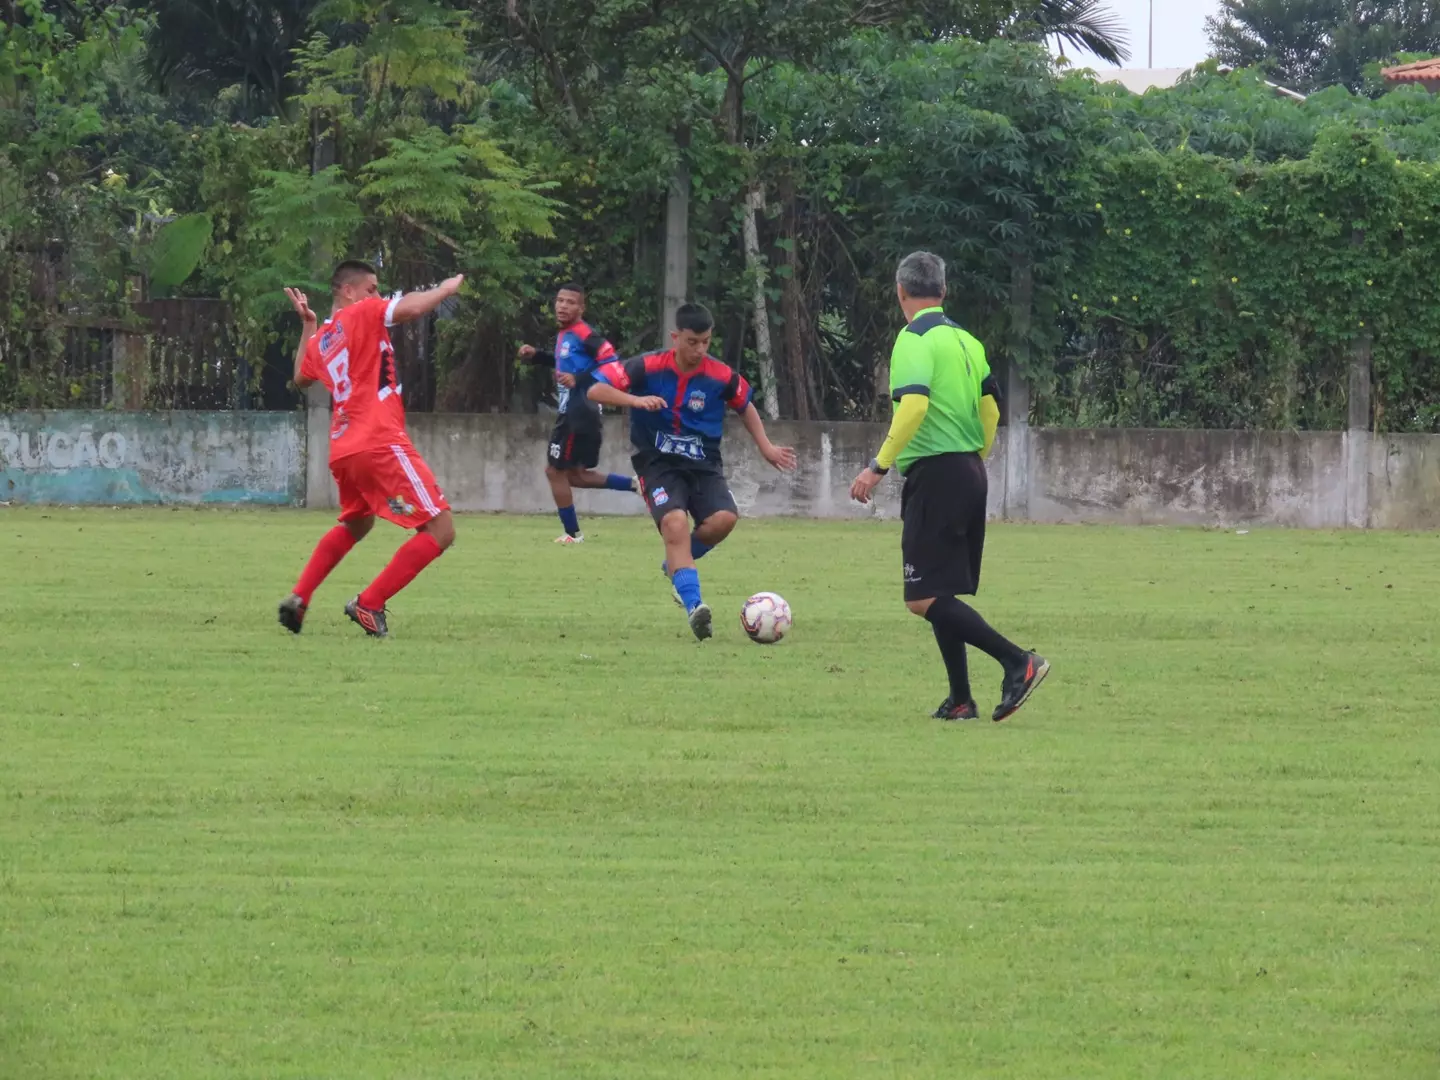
(352, 355)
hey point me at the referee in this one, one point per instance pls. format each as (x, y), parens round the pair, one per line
(942, 430)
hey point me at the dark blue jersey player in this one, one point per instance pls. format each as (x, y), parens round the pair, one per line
(574, 447)
(677, 401)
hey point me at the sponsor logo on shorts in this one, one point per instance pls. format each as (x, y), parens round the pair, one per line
(910, 574)
(399, 507)
(659, 496)
(696, 401)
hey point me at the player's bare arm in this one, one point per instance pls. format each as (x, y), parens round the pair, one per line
(308, 325)
(605, 394)
(417, 305)
(781, 457)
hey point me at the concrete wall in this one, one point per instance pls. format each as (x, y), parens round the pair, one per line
(1188, 477)
(1299, 479)
(488, 462)
(496, 463)
(157, 457)
(1404, 482)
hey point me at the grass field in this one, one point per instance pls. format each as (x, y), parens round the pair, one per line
(540, 832)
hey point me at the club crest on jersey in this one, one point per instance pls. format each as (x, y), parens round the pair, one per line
(696, 401)
(659, 496)
(399, 507)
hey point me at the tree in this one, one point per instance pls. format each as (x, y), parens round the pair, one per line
(1084, 24)
(1310, 44)
(215, 44)
(73, 227)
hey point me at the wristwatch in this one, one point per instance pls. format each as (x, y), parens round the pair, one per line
(875, 466)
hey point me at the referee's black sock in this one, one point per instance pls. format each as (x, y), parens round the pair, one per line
(952, 650)
(960, 620)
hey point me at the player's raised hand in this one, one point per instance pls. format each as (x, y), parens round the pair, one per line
(648, 404)
(527, 351)
(452, 285)
(301, 305)
(782, 457)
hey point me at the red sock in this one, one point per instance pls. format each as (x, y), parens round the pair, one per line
(333, 547)
(414, 555)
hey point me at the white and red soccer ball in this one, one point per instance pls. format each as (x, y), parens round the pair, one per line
(766, 618)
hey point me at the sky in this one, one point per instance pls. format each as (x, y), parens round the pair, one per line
(1179, 32)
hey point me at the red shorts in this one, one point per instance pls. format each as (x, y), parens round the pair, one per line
(391, 482)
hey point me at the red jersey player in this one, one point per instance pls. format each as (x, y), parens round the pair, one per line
(378, 472)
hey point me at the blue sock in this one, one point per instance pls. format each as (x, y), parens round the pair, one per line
(687, 584)
(698, 548)
(616, 482)
(569, 520)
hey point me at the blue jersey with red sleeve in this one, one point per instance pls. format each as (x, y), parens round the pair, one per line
(579, 351)
(690, 425)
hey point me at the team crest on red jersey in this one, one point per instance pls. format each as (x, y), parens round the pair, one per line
(333, 335)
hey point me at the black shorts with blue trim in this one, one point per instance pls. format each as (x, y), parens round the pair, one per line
(670, 483)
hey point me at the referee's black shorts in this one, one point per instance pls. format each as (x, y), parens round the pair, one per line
(942, 507)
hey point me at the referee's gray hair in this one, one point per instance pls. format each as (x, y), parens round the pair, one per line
(921, 274)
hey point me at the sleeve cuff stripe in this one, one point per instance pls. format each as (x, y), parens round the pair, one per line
(390, 310)
(914, 388)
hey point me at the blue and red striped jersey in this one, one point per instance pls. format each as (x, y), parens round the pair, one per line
(693, 419)
(579, 351)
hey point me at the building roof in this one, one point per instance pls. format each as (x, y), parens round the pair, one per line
(1415, 71)
(1138, 80)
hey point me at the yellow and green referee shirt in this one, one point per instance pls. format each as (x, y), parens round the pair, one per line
(936, 358)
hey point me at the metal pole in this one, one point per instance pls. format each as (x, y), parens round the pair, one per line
(1150, 59)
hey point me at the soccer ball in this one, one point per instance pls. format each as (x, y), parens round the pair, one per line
(766, 618)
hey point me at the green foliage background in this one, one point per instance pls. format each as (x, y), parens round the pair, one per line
(1207, 256)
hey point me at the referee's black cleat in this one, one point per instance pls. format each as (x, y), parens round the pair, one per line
(292, 613)
(368, 619)
(1020, 683)
(951, 710)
